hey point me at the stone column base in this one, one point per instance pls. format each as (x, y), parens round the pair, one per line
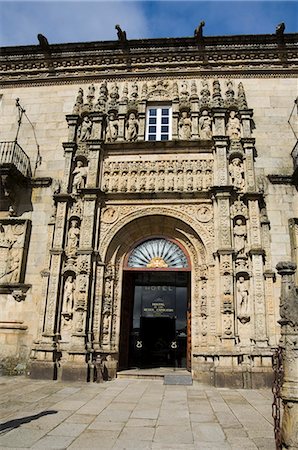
(46, 370)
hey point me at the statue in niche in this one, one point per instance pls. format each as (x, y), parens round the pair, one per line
(132, 127)
(112, 128)
(114, 182)
(180, 180)
(233, 126)
(151, 181)
(205, 124)
(133, 181)
(170, 179)
(243, 299)
(73, 238)
(240, 236)
(84, 132)
(184, 126)
(161, 180)
(237, 173)
(79, 177)
(68, 295)
(189, 180)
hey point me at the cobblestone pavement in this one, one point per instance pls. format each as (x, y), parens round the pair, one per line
(132, 414)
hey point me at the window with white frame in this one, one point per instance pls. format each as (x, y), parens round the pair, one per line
(159, 123)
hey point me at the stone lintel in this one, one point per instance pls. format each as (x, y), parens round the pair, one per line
(84, 251)
(245, 112)
(72, 118)
(95, 144)
(9, 288)
(218, 112)
(63, 197)
(40, 182)
(69, 147)
(91, 193)
(223, 191)
(256, 251)
(13, 325)
(151, 147)
(252, 195)
(269, 274)
(225, 251)
(220, 141)
(280, 179)
(56, 251)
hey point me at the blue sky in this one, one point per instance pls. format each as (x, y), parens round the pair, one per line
(82, 20)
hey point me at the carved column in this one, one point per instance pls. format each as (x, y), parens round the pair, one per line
(121, 118)
(289, 344)
(142, 118)
(175, 119)
(194, 101)
(94, 169)
(249, 151)
(69, 150)
(97, 127)
(72, 122)
(246, 117)
(220, 161)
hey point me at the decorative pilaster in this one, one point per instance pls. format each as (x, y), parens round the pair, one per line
(175, 119)
(94, 169)
(250, 153)
(246, 118)
(289, 344)
(69, 151)
(221, 161)
(142, 118)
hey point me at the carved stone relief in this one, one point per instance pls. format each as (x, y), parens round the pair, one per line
(157, 176)
(13, 246)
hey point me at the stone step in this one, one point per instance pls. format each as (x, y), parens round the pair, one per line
(155, 373)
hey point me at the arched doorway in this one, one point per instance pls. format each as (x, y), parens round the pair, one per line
(155, 313)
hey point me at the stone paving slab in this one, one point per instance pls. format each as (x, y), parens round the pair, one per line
(128, 414)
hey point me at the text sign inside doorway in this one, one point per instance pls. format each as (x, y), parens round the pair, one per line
(158, 301)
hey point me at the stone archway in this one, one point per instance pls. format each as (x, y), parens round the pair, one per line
(107, 312)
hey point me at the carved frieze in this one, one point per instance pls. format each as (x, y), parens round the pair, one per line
(157, 176)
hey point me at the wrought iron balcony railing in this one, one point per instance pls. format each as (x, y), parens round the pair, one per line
(12, 154)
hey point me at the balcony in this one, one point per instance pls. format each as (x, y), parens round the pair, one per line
(14, 159)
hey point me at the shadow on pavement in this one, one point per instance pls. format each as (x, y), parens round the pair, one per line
(15, 423)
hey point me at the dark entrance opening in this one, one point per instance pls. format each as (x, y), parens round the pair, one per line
(155, 319)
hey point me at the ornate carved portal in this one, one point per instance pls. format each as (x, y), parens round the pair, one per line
(198, 189)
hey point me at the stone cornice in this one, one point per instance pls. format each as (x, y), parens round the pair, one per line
(244, 55)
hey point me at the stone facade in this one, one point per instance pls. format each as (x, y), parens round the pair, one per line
(220, 186)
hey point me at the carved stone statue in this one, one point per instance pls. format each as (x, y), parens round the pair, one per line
(84, 131)
(79, 102)
(68, 295)
(79, 177)
(205, 124)
(185, 126)
(237, 173)
(242, 300)
(112, 128)
(73, 238)
(233, 126)
(132, 127)
(240, 235)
